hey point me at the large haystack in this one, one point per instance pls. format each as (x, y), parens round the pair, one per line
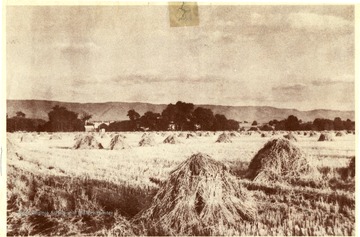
(87, 142)
(118, 143)
(291, 137)
(224, 138)
(279, 160)
(325, 137)
(200, 197)
(171, 139)
(148, 140)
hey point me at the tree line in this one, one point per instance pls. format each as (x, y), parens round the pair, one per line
(180, 116)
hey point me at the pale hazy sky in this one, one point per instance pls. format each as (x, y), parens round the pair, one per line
(284, 56)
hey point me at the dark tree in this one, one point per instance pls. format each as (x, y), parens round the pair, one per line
(61, 119)
(220, 122)
(338, 124)
(133, 115)
(20, 114)
(180, 114)
(232, 125)
(204, 117)
(85, 116)
(150, 120)
(292, 123)
(254, 123)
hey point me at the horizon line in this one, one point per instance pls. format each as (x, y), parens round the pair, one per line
(77, 102)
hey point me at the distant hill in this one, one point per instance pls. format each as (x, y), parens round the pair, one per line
(117, 110)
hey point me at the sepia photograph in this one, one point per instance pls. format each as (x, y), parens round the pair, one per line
(180, 119)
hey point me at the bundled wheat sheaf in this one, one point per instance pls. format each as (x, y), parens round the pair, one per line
(200, 198)
(291, 137)
(118, 143)
(147, 140)
(171, 139)
(279, 160)
(325, 137)
(224, 138)
(87, 142)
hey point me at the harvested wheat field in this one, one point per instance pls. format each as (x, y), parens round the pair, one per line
(252, 186)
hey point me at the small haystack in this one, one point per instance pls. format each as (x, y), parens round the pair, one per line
(27, 137)
(206, 134)
(224, 138)
(118, 143)
(279, 160)
(55, 137)
(325, 137)
(148, 140)
(339, 134)
(264, 134)
(189, 135)
(87, 141)
(312, 134)
(291, 137)
(200, 197)
(171, 139)
(232, 134)
(182, 134)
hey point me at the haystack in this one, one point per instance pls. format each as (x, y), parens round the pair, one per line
(200, 197)
(87, 142)
(279, 160)
(27, 138)
(55, 137)
(224, 138)
(148, 140)
(207, 134)
(312, 134)
(118, 143)
(232, 134)
(264, 135)
(291, 137)
(182, 134)
(189, 135)
(171, 139)
(325, 137)
(339, 134)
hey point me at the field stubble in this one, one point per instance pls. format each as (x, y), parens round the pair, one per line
(48, 175)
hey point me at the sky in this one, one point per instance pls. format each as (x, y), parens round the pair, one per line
(298, 57)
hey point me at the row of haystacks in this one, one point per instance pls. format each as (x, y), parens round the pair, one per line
(200, 197)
